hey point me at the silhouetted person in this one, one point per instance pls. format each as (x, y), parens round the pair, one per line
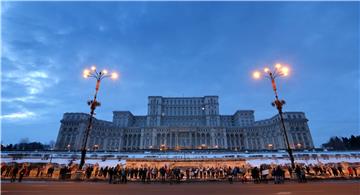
(21, 174)
(111, 172)
(14, 173)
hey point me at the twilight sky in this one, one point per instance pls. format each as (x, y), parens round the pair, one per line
(177, 49)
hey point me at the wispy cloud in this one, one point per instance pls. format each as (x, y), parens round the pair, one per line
(30, 99)
(18, 115)
(27, 75)
(35, 82)
(18, 99)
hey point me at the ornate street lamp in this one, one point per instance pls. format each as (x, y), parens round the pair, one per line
(93, 103)
(278, 71)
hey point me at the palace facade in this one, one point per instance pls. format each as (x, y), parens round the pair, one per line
(184, 123)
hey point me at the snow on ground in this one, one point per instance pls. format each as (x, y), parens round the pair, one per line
(258, 162)
(114, 158)
(66, 161)
(252, 161)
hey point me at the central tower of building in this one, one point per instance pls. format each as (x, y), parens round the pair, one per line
(189, 111)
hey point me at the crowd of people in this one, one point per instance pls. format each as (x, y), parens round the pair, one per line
(146, 174)
(22, 170)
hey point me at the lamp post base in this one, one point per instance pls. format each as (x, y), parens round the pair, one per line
(79, 175)
(82, 161)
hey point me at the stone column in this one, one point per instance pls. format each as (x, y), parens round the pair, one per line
(196, 140)
(120, 141)
(190, 137)
(153, 138)
(104, 145)
(170, 141)
(129, 143)
(246, 143)
(136, 141)
(142, 139)
(225, 139)
(176, 139)
(212, 137)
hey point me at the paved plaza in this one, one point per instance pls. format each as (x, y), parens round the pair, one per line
(208, 188)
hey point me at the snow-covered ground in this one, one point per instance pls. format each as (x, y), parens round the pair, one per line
(114, 158)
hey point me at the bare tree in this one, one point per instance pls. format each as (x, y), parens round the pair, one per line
(24, 140)
(52, 144)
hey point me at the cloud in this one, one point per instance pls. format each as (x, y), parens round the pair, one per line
(26, 81)
(35, 82)
(18, 99)
(30, 99)
(18, 115)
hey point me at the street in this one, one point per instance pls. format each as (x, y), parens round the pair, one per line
(44, 187)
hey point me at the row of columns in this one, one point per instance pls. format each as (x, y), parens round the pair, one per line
(189, 139)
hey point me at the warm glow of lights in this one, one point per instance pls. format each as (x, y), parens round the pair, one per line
(104, 71)
(266, 70)
(285, 71)
(114, 75)
(256, 75)
(93, 68)
(277, 65)
(86, 73)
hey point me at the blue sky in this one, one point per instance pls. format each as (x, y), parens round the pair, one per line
(178, 49)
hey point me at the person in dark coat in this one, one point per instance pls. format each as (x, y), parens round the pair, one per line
(143, 175)
(111, 172)
(230, 175)
(14, 173)
(8, 171)
(341, 170)
(278, 172)
(298, 172)
(255, 175)
(21, 174)
(335, 172)
(50, 171)
(61, 173)
(88, 172)
(105, 171)
(123, 175)
(162, 173)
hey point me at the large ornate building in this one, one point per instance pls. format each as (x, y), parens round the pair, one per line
(184, 122)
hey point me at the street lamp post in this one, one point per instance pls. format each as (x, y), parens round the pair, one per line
(278, 71)
(93, 103)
